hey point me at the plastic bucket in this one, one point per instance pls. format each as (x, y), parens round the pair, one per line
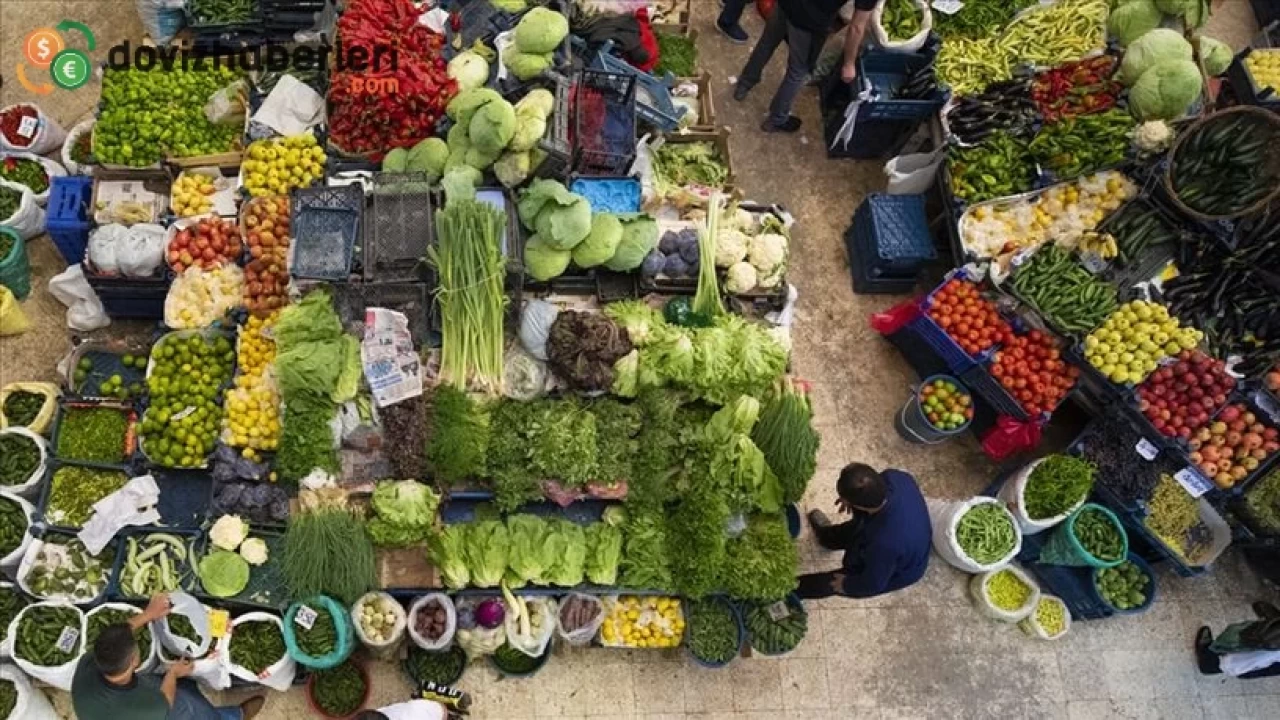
(1064, 548)
(1151, 588)
(15, 270)
(315, 707)
(912, 424)
(742, 634)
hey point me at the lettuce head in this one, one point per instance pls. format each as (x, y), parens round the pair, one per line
(542, 261)
(1165, 91)
(639, 236)
(1150, 49)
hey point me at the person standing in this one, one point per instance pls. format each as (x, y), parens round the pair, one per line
(107, 686)
(886, 542)
(804, 24)
(1246, 650)
(730, 21)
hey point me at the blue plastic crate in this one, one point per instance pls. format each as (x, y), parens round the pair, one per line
(609, 194)
(186, 573)
(131, 439)
(325, 223)
(610, 148)
(885, 72)
(185, 496)
(957, 360)
(653, 103)
(868, 280)
(894, 231)
(68, 218)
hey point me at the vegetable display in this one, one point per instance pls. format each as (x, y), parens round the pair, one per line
(713, 631)
(223, 573)
(430, 620)
(11, 121)
(693, 163)
(321, 638)
(74, 490)
(275, 166)
(1077, 88)
(36, 638)
(968, 65)
(220, 12)
(145, 116)
(184, 417)
(1137, 227)
(25, 172)
(1109, 444)
(1174, 517)
(340, 691)
(154, 563)
(973, 321)
(785, 435)
(775, 636)
(1123, 587)
(760, 563)
(1007, 591)
(1222, 168)
(104, 617)
(986, 533)
(11, 603)
(198, 298)
(980, 18)
(513, 662)
(1030, 368)
(643, 622)
(1057, 33)
(267, 235)
(13, 525)
(442, 667)
(1099, 534)
(257, 645)
(677, 54)
(1262, 502)
(1134, 338)
(998, 167)
(1002, 107)
(1051, 615)
(328, 552)
(19, 457)
(577, 612)
(1057, 485)
(583, 347)
(901, 19)
(403, 512)
(180, 626)
(93, 434)
(1263, 65)
(8, 697)
(10, 201)
(1179, 398)
(1080, 145)
(22, 407)
(1063, 292)
(946, 405)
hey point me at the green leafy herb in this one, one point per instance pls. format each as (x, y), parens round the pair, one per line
(74, 490)
(645, 559)
(93, 434)
(677, 54)
(786, 436)
(306, 440)
(456, 450)
(697, 528)
(760, 564)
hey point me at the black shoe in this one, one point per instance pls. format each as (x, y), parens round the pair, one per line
(790, 125)
(1205, 659)
(1265, 610)
(734, 32)
(818, 519)
(741, 90)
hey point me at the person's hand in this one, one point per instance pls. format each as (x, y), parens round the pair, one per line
(157, 607)
(849, 72)
(182, 668)
(844, 507)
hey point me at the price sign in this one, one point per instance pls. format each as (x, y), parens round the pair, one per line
(219, 622)
(67, 639)
(28, 126)
(305, 617)
(779, 611)
(1093, 262)
(1147, 450)
(947, 7)
(1193, 482)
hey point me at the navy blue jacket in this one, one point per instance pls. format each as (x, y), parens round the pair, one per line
(891, 550)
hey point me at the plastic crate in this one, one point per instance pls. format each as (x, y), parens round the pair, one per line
(982, 384)
(399, 228)
(609, 194)
(351, 300)
(186, 574)
(105, 358)
(884, 73)
(479, 20)
(1073, 585)
(894, 231)
(130, 449)
(867, 281)
(130, 297)
(185, 496)
(653, 104)
(1247, 91)
(871, 139)
(609, 98)
(266, 589)
(325, 223)
(68, 217)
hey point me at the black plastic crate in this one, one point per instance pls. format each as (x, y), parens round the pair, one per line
(186, 573)
(185, 496)
(610, 98)
(399, 227)
(351, 300)
(325, 222)
(871, 139)
(979, 380)
(129, 297)
(885, 73)
(893, 230)
(1247, 91)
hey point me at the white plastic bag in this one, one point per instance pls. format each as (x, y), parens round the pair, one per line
(180, 603)
(1011, 494)
(944, 516)
(450, 623)
(58, 676)
(583, 635)
(1031, 625)
(541, 625)
(41, 135)
(140, 251)
(10, 563)
(51, 168)
(28, 219)
(909, 45)
(387, 648)
(29, 488)
(535, 326)
(475, 640)
(82, 594)
(278, 675)
(146, 656)
(913, 174)
(161, 18)
(84, 309)
(978, 592)
(73, 167)
(32, 703)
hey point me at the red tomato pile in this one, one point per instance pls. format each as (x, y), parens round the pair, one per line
(209, 244)
(1233, 445)
(970, 319)
(266, 276)
(1180, 398)
(1031, 369)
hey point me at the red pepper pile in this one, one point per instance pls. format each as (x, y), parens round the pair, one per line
(11, 120)
(1077, 88)
(374, 120)
(1031, 370)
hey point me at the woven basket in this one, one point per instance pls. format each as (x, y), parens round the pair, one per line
(1273, 160)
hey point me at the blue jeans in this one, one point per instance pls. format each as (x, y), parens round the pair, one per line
(803, 48)
(731, 14)
(230, 712)
(191, 704)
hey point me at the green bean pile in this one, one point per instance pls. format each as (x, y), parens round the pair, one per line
(713, 631)
(21, 407)
(11, 603)
(1100, 536)
(321, 639)
(1057, 485)
(986, 533)
(8, 697)
(442, 668)
(513, 662)
(37, 636)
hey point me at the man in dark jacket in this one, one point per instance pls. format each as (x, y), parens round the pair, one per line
(804, 24)
(886, 543)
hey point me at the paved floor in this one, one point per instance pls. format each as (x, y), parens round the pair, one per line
(922, 652)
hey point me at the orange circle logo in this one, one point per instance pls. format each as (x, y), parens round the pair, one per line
(42, 45)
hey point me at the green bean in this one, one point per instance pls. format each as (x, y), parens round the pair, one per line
(321, 639)
(257, 645)
(986, 533)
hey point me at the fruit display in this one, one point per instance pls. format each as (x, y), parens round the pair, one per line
(1180, 398)
(252, 406)
(1234, 445)
(277, 165)
(1076, 88)
(1263, 65)
(145, 116)
(946, 405)
(192, 194)
(642, 622)
(959, 308)
(1123, 587)
(265, 224)
(1224, 167)
(1067, 296)
(1134, 339)
(1063, 213)
(210, 243)
(198, 297)
(188, 372)
(1031, 369)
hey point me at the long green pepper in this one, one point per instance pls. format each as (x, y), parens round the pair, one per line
(256, 646)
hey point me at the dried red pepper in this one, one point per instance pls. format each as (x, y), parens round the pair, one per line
(11, 120)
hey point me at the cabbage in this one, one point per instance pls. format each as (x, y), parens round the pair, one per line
(538, 103)
(481, 159)
(1216, 55)
(492, 126)
(1154, 47)
(526, 66)
(1175, 7)
(637, 318)
(542, 261)
(223, 574)
(675, 267)
(469, 70)
(652, 265)
(512, 168)
(1133, 19)
(601, 243)
(1165, 91)
(429, 156)
(464, 105)
(395, 160)
(541, 31)
(529, 130)
(639, 236)
(562, 218)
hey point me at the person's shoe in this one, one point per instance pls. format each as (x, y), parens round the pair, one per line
(790, 125)
(817, 518)
(734, 32)
(1204, 659)
(1265, 610)
(741, 90)
(251, 707)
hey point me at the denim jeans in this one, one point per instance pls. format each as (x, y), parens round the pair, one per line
(230, 712)
(804, 47)
(191, 704)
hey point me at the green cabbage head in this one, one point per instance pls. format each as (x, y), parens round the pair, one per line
(1152, 48)
(1216, 55)
(601, 244)
(492, 127)
(526, 66)
(639, 236)
(1165, 91)
(541, 31)
(1133, 19)
(542, 261)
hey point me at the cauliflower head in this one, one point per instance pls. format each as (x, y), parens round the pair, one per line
(768, 253)
(254, 551)
(228, 532)
(731, 247)
(740, 278)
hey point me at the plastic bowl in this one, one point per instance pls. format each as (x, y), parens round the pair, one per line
(311, 701)
(1151, 588)
(539, 662)
(742, 634)
(449, 681)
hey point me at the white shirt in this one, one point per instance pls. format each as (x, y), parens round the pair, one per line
(414, 710)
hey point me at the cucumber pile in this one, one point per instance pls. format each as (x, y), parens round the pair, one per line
(774, 637)
(1223, 168)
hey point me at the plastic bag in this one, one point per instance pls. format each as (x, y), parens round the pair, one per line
(1009, 437)
(526, 376)
(584, 634)
(944, 516)
(9, 563)
(12, 320)
(909, 45)
(913, 174)
(84, 309)
(1031, 623)
(386, 648)
(135, 251)
(183, 604)
(342, 644)
(541, 625)
(1064, 548)
(477, 641)
(895, 318)
(278, 675)
(59, 676)
(83, 593)
(15, 268)
(1011, 493)
(535, 326)
(37, 136)
(148, 658)
(73, 167)
(28, 219)
(51, 168)
(450, 622)
(208, 666)
(31, 703)
(227, 105)
(44, 418)
(101, 253)
(29, 489)
(981, 597)
(163, 19)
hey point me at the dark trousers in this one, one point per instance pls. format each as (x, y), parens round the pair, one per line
(1210, 664)
(815, 586)
(804, 47)
(731, 13)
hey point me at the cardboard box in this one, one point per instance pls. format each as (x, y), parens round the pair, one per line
(146, 188)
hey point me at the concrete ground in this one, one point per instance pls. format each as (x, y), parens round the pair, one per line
(921, 652)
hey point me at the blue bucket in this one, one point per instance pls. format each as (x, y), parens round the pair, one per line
(1151, 588)
(742, 634)
(912, 424)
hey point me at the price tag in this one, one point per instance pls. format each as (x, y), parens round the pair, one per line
(28, 126)
(182, 413)
(305, 617)
(67, 639)
(779, 611)
(947, 7)
(1147, 450)
(1193, 482)
(219, 623)
(1093, 262)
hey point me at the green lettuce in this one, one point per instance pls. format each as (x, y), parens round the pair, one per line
(447, 550)
(404, 512)
(760, 564)
(637, 318)
(604, 550)
(528, 559)
(697, 527)
(570, 545)
(488, 547)
(350, 370)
